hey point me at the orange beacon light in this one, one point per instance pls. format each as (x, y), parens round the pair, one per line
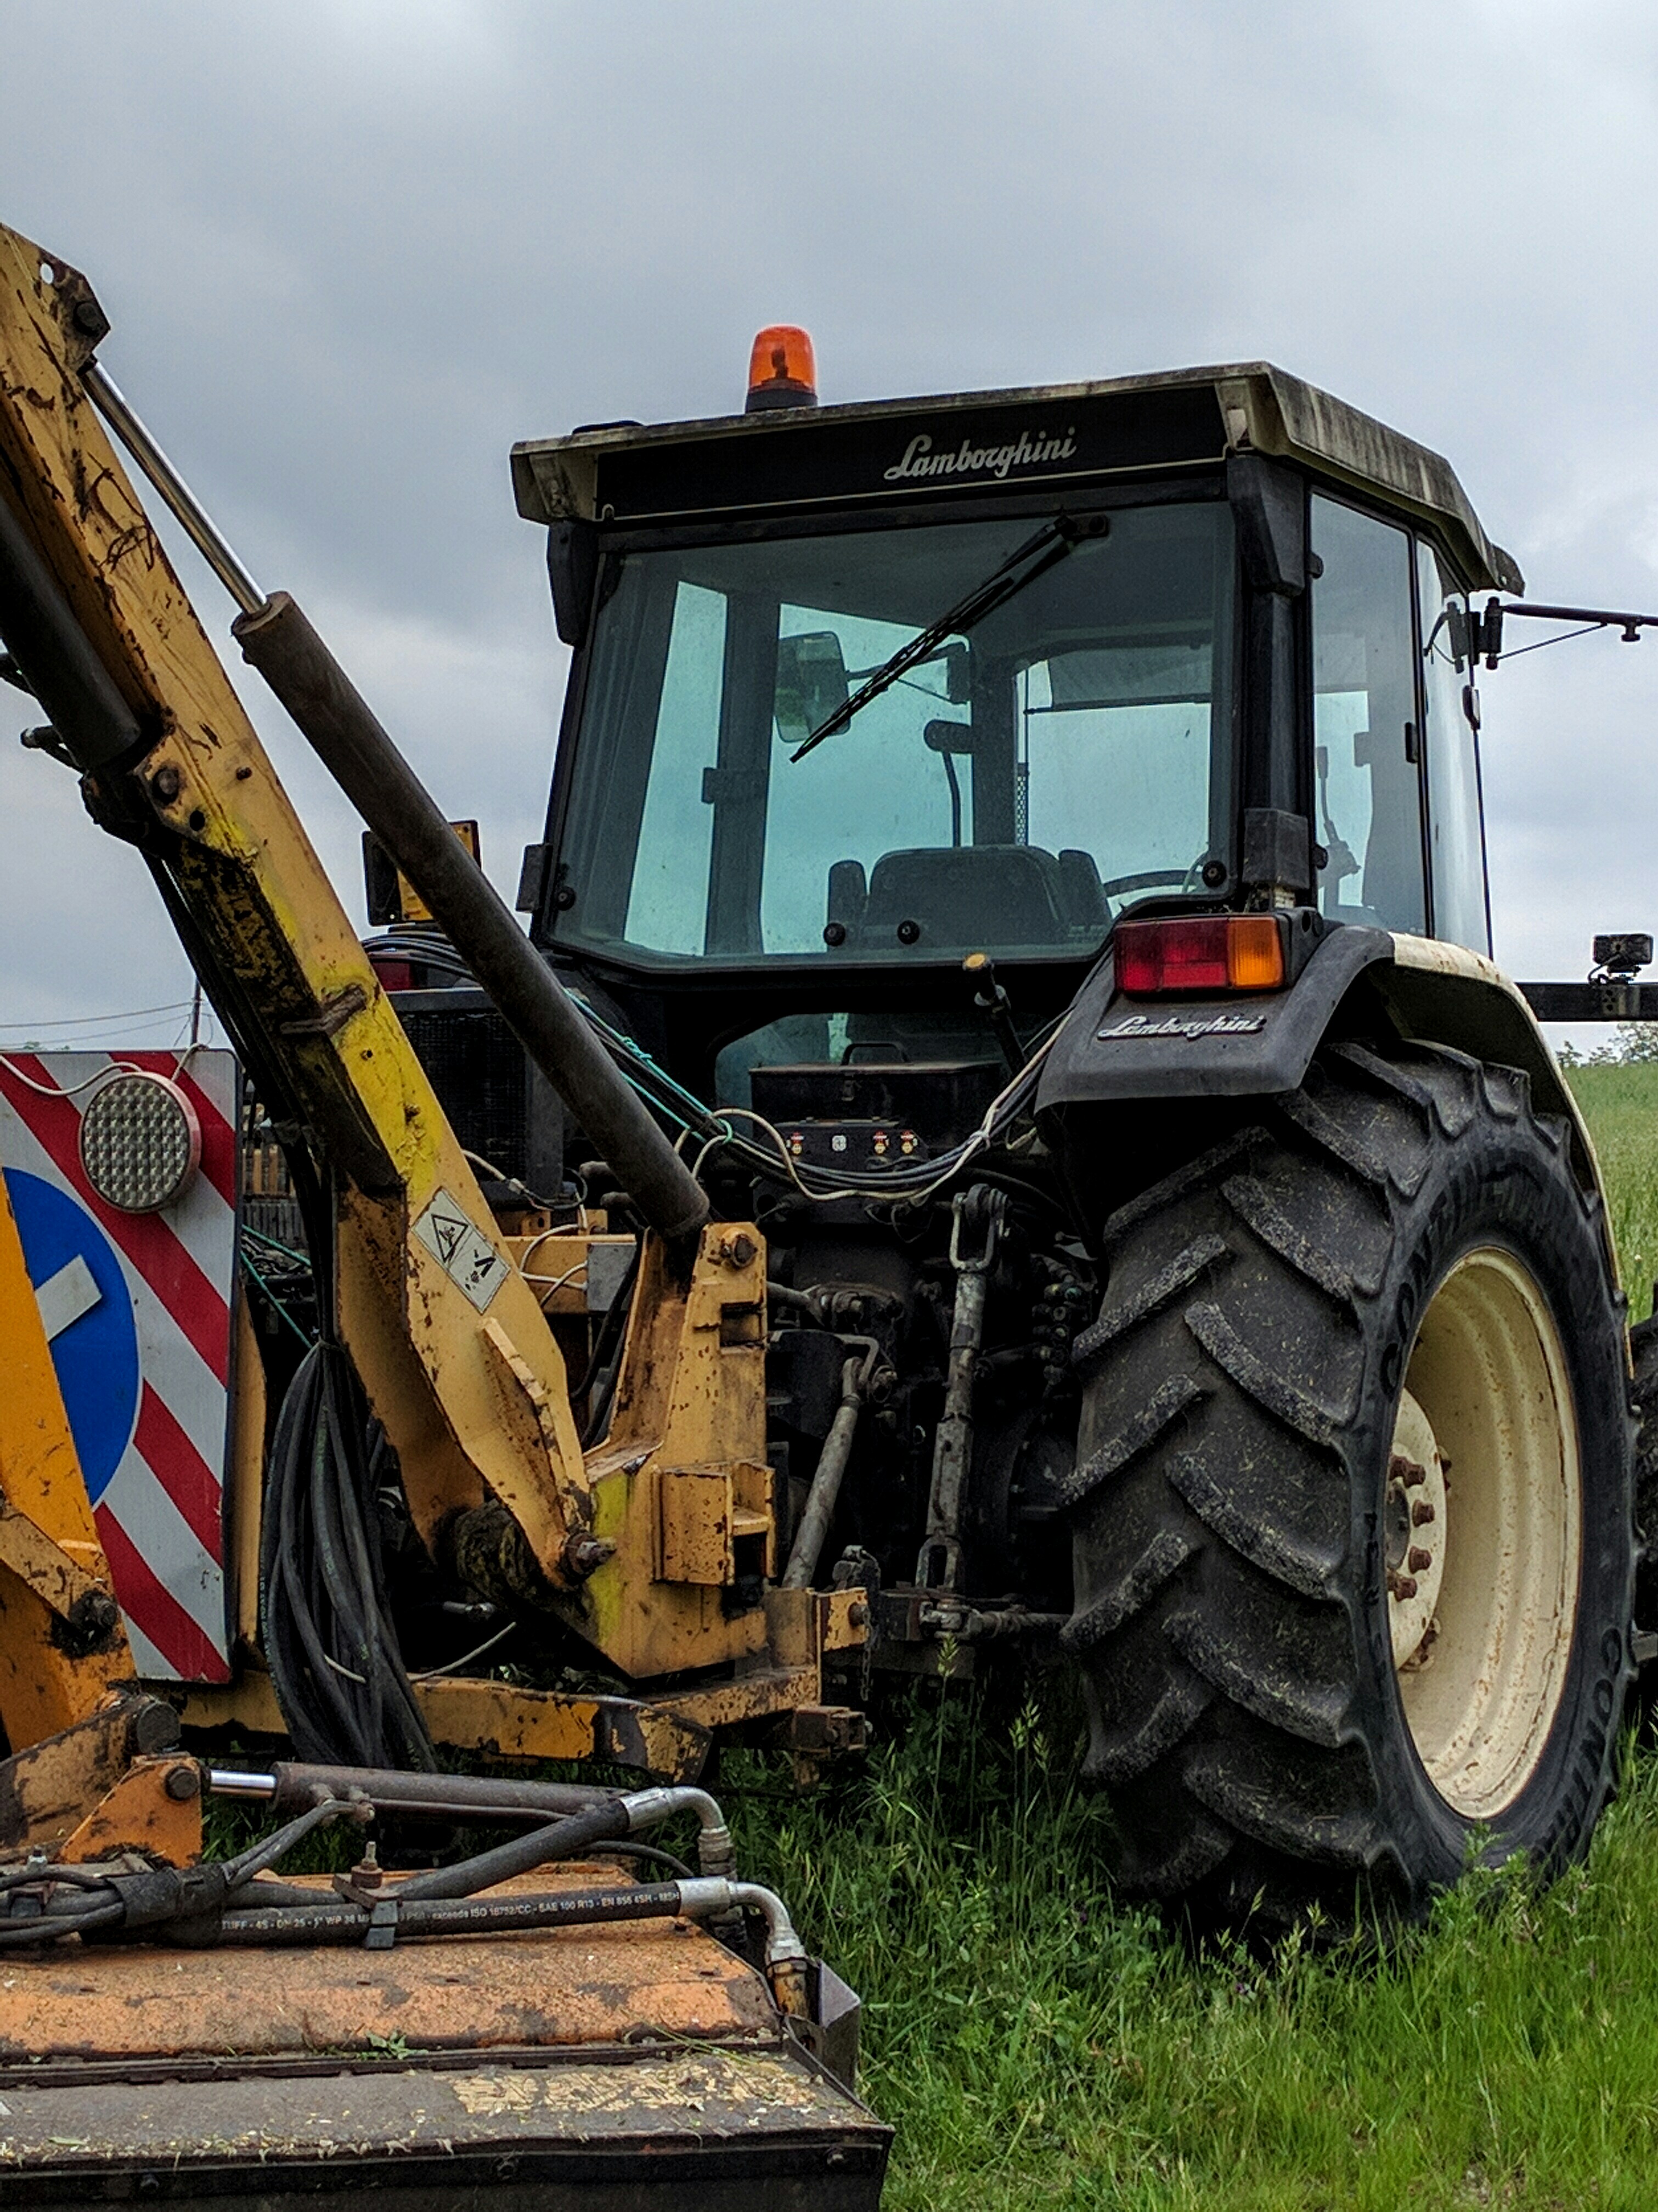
(782, 370)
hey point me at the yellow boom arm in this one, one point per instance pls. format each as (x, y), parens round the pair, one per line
(636, 1546)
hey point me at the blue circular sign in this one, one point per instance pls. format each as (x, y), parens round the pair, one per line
(95, 1353)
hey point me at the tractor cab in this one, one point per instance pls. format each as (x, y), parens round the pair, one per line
(860, 691)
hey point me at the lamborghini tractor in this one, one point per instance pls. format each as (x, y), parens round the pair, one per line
(997, 1144)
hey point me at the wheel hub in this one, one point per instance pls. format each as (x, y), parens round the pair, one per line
(1415, 1519)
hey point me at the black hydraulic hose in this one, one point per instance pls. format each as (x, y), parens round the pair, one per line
(258, 1895)
(50, 1928)
(633, 1849)
(330, 1641)
(343, 1922)
(279, 640)
(257, 1892)
(562, 1839)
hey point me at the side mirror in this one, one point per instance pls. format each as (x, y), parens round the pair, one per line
(812, 683)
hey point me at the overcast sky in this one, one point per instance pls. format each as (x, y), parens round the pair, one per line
(352, 250)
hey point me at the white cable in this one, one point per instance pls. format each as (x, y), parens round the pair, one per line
(61, 1090)
(432, 1674)
(975, 1145)
(540, 1237)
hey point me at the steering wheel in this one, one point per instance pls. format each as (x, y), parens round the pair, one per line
(1150, 877)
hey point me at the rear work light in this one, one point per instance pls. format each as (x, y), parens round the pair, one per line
(1201, 952)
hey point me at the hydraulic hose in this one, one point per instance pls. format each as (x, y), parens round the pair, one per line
(329, 1637)
(562, 1839)
(702, 1898)
(611, 1820)
(807, 1547)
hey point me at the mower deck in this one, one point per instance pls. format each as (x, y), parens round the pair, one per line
(596, 2066)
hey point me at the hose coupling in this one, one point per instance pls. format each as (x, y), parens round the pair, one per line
(716, 1855)
(788, 1967)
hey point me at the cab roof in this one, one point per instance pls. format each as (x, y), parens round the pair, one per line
(878, 452)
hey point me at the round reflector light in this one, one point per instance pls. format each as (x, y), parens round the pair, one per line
(140, 1142)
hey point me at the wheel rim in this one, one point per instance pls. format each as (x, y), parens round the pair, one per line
(1482, 1587)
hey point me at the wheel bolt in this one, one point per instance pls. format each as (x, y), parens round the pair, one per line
(1401, 1586)
(1418, 1561)
(1421, 1513)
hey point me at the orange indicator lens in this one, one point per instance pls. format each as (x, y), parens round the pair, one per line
(1254, 952)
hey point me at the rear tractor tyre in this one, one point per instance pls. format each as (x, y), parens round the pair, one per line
(1643, 1353)
(1352, 1518)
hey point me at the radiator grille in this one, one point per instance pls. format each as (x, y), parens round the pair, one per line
(476, 1065)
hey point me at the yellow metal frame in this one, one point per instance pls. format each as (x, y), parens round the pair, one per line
(676, 1502)
(49, 1556)
(78, 1780)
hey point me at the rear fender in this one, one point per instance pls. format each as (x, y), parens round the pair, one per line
(1114, 1050)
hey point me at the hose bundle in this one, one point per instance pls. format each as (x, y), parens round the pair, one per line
(329, 1639)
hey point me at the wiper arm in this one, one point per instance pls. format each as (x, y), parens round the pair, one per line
(1032, 559)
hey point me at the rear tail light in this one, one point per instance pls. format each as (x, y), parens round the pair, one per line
(1201, 952)
(394, 974)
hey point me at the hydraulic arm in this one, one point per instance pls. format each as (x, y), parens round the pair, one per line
(637, 1545)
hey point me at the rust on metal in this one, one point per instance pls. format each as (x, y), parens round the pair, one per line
(47, 1789)
(155, 1808)
(548, 1987)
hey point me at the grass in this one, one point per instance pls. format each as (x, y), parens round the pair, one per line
(1038, 2045)
(1620, 1104)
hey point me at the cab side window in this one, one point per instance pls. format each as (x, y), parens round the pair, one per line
(1365, 740)
(1457, 833)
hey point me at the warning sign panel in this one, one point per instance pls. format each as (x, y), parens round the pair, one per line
(461, 1249)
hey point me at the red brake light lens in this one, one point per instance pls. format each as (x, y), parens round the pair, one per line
(394, 974)
(1201, 952)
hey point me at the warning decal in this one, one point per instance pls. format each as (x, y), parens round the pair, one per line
(461, 1249)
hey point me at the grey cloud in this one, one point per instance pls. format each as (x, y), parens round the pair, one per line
(352, 250)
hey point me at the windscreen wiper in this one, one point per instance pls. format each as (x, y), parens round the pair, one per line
(1032, 559)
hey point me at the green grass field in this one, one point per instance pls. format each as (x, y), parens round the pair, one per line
(1036, 2044)
(1621, 1106)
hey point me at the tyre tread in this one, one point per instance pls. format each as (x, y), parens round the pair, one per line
(1214, 1621)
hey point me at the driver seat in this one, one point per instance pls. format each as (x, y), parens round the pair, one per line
(999, 895)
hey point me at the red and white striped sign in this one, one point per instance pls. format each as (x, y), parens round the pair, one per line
(138, 1309)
